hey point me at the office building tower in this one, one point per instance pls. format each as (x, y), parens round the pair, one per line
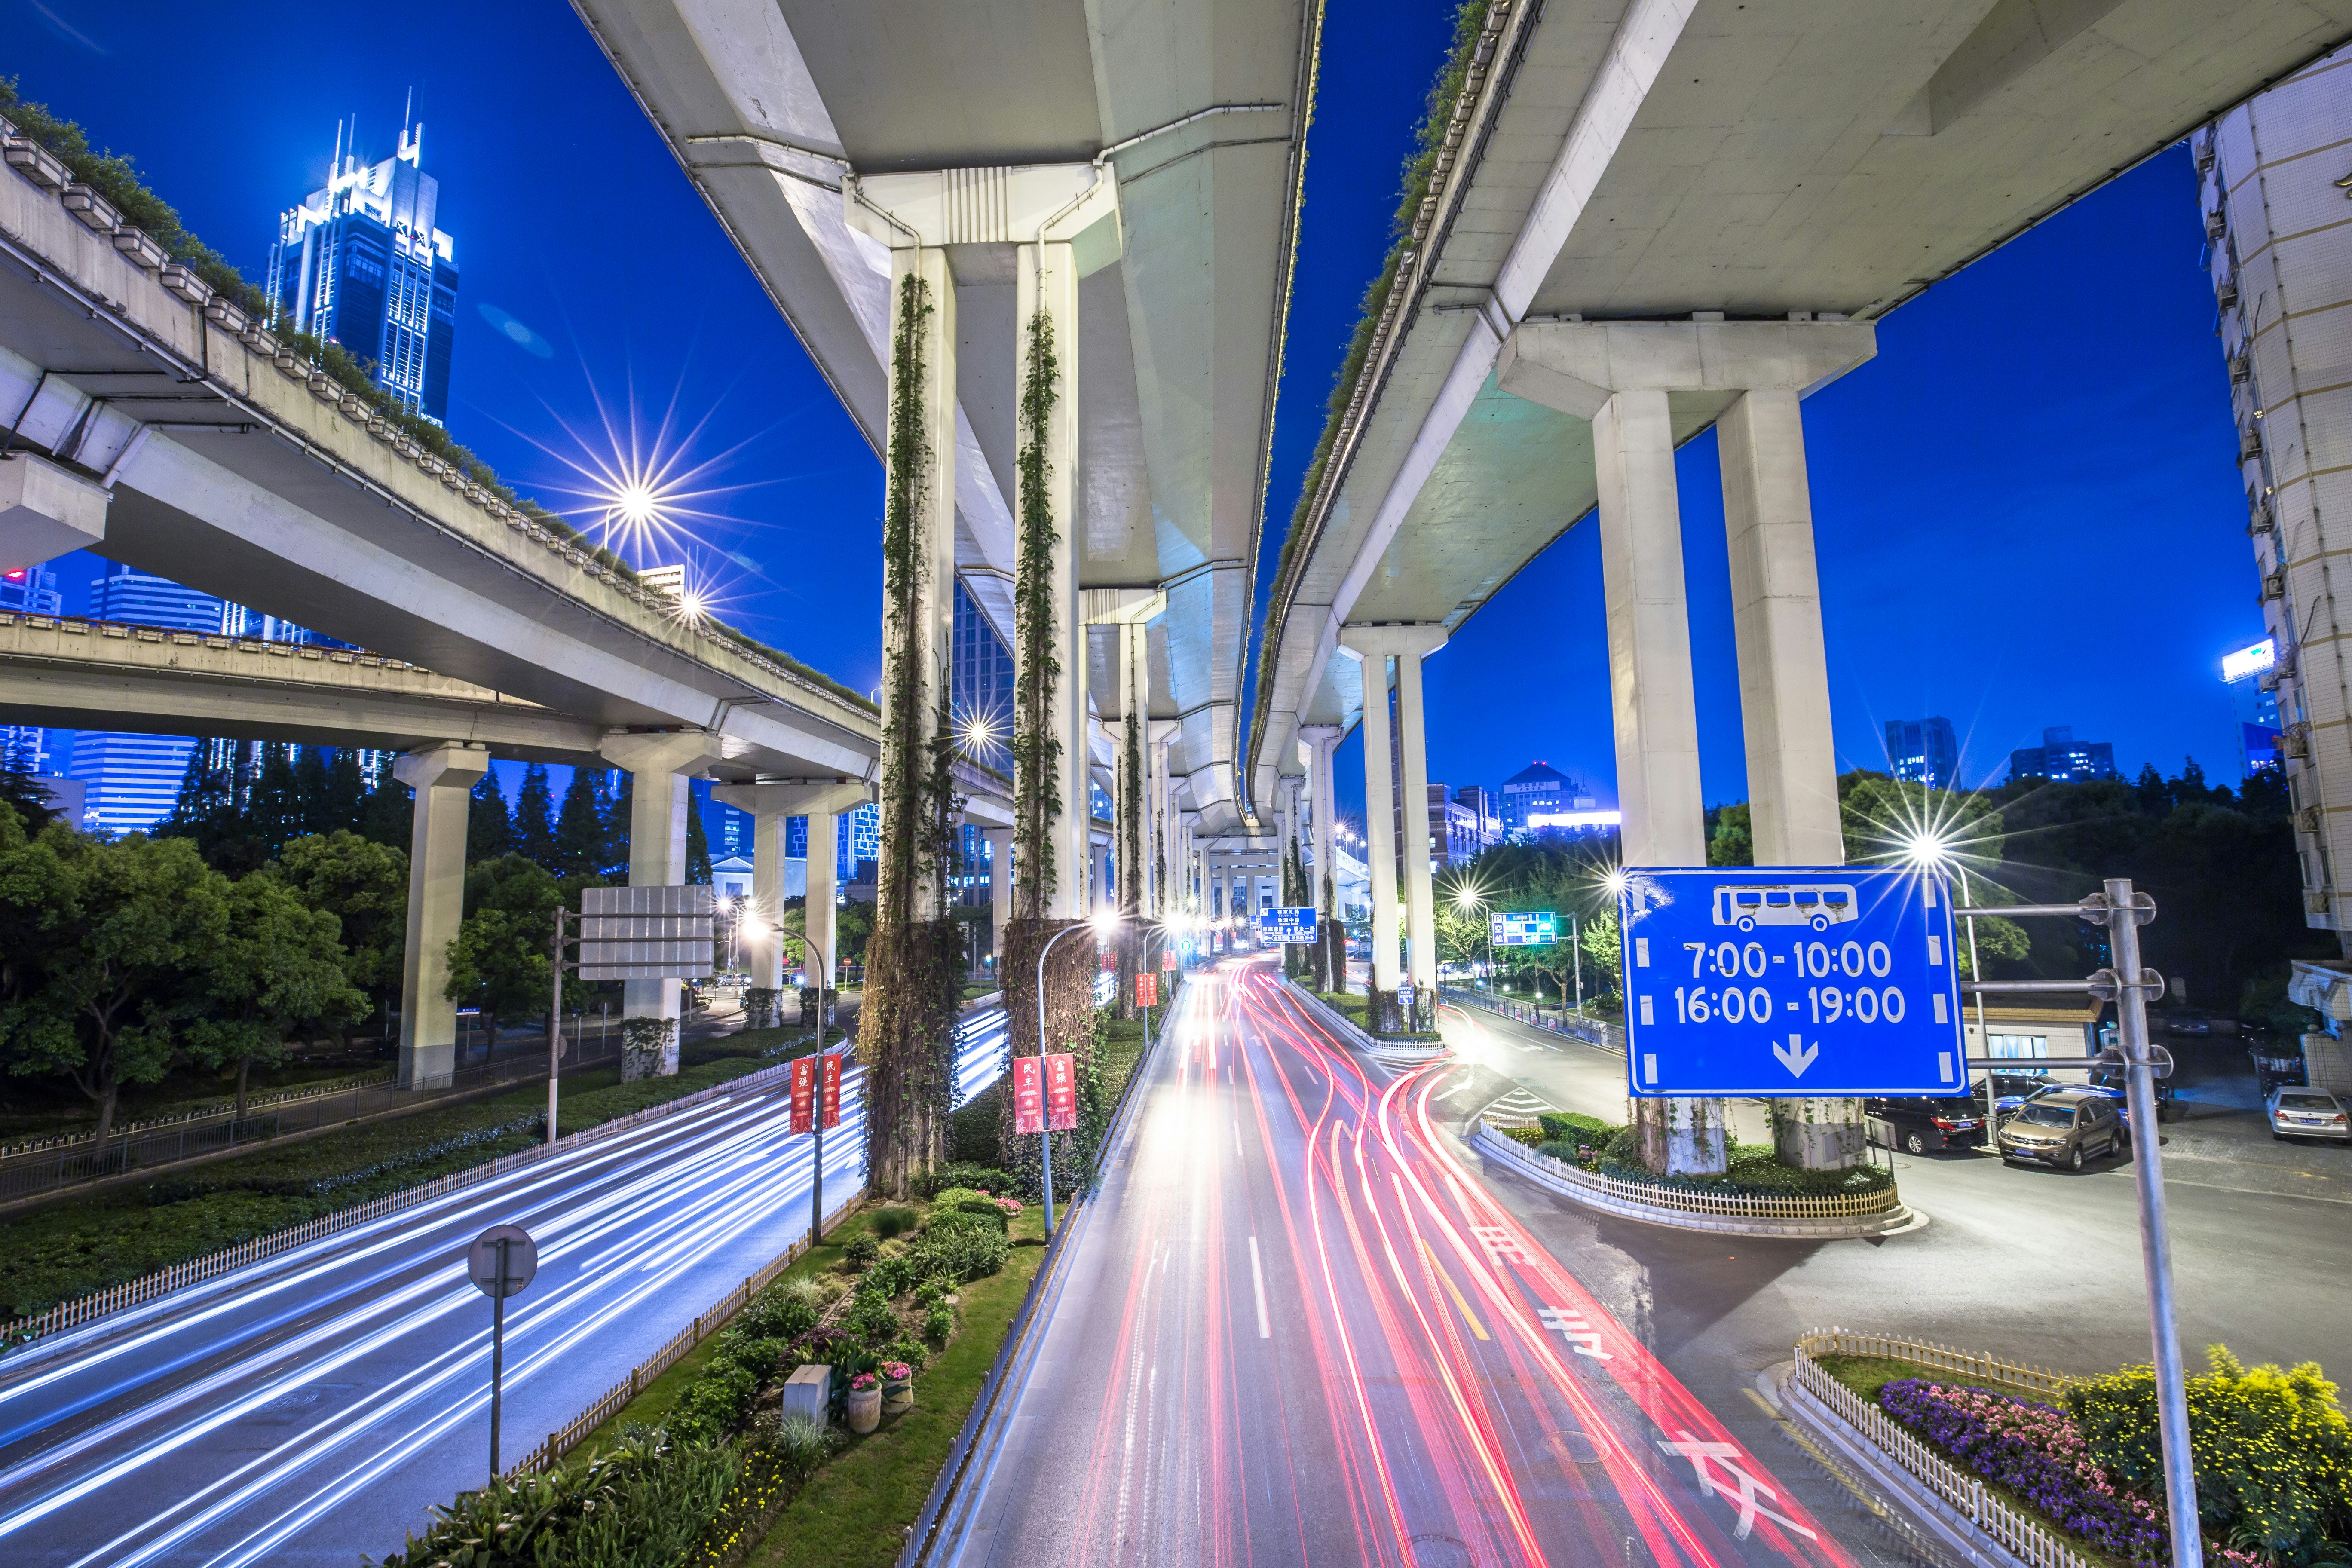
(1924, 750)
(362, 264)
(2268, 203)
(2251, 674)
(2061, 759)
(1539, 798)
(981, 686)
(131, 780)
(1460, 827)
(28, 591)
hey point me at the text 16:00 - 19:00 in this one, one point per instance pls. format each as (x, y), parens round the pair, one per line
(1813, 960)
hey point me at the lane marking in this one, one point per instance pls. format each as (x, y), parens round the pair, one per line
(1453, 1290)
(1257, 1279)
(1237, 1139)
(1583, 1338)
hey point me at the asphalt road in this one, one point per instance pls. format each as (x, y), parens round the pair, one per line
(2041, 1266)
(1295, 1328)
(313, 1406)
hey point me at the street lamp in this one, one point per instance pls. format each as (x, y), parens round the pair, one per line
(1932, 853)
(1102, 925)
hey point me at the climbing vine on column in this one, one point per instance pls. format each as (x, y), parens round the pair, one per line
(1037, 748)
(907, 1021)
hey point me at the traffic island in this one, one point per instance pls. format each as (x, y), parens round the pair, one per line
(1348, 1025)
(1826, 1217)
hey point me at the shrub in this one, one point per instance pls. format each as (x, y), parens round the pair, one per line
(891, 1222)
(780, 1312)
(893, 1276)
(972, 1249)
(800, 1442)
(974, 1128)
(977, 1177)
(716, 1404)
(1530, 1136)
(957, 1201)
(2273, 1448)
(862, 1250)
(871, 1319)
(938, 1323)
(656, 1512)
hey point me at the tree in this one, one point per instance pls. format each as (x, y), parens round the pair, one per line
(346, 792)
(697, 846)
(278, 965)
(1730, 835)
(488, 834)
(23, 797)
(388, 815)
(1603, 951)
(275, 814)
(106, 943)
(499, 959)
(853, 922)
(534, 820)
(614, 843)
(364, 886)
(580, 829)
(313, 810)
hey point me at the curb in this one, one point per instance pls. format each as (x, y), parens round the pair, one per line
(1897, 1221)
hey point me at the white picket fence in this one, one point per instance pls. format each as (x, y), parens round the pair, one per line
(114, 1299)
(1686, 1200)
(202, 1114)
(2030, 1541)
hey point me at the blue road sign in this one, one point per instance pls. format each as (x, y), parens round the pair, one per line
(1781, 980)
(1528, 928)
(1286, 924)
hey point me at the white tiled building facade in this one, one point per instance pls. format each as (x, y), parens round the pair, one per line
(2278, 215)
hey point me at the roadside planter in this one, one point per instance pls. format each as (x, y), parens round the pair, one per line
(897, 1388)
(141, 249)
(864, 1403)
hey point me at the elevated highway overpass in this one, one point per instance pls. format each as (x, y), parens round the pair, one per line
(1649, 217)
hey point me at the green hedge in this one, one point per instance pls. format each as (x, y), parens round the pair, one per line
(88, 1244)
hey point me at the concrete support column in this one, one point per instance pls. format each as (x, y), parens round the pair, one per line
(819, 911)
(1166, 848)
(771, 807)
(1000, 890)
(764, 944)
(1408, 884)
(1421, 918)
(1134, 839)
(1380, 813)
(1649, 691)
(1784, 695)
(441, 777)
(1322, 741)
(658, 766)
(1045, 283)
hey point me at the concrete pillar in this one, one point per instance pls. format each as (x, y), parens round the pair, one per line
(999, 889)
(658, 766)
(1409, 884)
(1380, 811)
(1321, 741)
(771, 807)
(441, 777)
(1784, 695)
(1045, 282)
(1649, 633)
(1133, 838)
(820, 913)
(1166, 851)
(1421, 918)
(763, 945)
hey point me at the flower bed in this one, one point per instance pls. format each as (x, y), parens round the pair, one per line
(2039, 1454)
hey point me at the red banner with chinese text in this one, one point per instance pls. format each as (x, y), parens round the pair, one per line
(1168, 959)
(830, 1073)
(1028, 1095)
(804, 1092)
(1146, 990)
(1062, 1093)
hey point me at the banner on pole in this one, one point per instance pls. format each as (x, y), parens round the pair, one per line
(1168, 958)
(1146, 990)
(829, 1074)
(1062, 1093)
(804, 1094)
(1028, 1095)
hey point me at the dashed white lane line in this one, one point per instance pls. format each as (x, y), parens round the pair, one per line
(1257, 1278)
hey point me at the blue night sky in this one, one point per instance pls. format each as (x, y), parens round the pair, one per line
(2038, 462)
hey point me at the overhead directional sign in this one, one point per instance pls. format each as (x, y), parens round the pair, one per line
(1286, 924)
(1781, 980)
(1524, 928)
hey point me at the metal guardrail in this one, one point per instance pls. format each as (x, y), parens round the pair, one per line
(1590, 1031)
(226, 1108)
(78, 1164)
(132, 1293)
(2031, 1541)
(1686, 1200)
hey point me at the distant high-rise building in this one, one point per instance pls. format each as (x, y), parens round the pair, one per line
(2062, 759)
(1924, 750)
(28, 591)
(360, 263)
(2252, 675)
(1461, 828)
(131, 780)
(1541, 798)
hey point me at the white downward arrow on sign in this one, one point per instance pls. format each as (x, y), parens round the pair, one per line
(1796, 1056)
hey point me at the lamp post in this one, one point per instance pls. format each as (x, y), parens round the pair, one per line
(1102, 925)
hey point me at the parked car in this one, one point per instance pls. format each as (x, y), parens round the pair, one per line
(2276, 1067)
(2182, 1022)
(2308, 1113)
(2109, 1082)
(2012, 1089)
(1924, 1126)
(2064, 1129)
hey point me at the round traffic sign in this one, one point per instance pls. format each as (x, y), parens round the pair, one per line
(483, 1264)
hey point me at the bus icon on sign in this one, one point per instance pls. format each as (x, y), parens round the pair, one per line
(1820, 905)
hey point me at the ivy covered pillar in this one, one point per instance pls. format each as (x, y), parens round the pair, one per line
(659, 766)
(1167, 845)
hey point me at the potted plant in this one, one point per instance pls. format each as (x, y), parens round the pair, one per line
(897, 1388)
(864, 1403)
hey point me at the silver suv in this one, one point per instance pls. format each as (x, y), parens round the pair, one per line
(2063, 1128)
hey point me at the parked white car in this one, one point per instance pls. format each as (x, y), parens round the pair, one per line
(2308, 1113)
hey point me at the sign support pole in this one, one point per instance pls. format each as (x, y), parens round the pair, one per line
(497, 1352)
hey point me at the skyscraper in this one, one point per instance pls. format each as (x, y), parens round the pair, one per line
(28, 591)
(2062, 758)
(1924, 750)
(360, 264)
(132, 779)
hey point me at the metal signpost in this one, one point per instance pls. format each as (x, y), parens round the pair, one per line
(816, 1106)
(1287, 924)
(501, 1261)
(1784, 980)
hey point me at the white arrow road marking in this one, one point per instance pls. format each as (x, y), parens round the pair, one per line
(1583, 1338)
(1796, 1056)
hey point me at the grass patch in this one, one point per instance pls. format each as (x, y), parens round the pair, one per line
(82, 1244)
(854, 1513)
(1866, 1375)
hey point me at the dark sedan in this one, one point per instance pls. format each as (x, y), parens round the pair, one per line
(1924, 1126)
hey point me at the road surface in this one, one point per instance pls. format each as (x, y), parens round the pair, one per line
(1294, 1330)
(314, 1407)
